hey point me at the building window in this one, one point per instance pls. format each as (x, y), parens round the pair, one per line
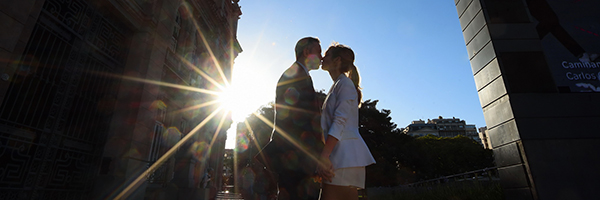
(157, 134)
(161, 114)
(176, 29)
(156, 142)
(183, 127)
(177, 25)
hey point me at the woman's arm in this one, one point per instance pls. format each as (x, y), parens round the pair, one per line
(345, 106)
(326, 168)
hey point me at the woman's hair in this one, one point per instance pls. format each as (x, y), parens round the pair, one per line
(347, 57)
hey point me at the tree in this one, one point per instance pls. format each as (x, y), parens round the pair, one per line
(253, 134)
(400, 158)
(387, 144)
(403, 159)
(438, 156)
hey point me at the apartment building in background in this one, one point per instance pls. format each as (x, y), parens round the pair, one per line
(442, 127)
(485, 139)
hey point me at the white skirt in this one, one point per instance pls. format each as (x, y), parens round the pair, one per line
(350, 176)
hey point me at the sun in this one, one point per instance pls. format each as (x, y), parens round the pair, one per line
(251, 87)
(248, 91)
(229, 99)
(235, 99)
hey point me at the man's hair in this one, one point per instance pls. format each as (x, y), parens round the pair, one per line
(305, 43)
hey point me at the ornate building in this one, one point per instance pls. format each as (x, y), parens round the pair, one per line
(94, 93)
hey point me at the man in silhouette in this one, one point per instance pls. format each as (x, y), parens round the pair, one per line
(297, 138)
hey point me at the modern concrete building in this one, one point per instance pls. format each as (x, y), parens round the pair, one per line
(420, 128)
(451, 127)
(485, 139)
(442, 127)
(536, 69)
(93, 93)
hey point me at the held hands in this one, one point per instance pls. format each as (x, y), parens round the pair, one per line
(325, 169)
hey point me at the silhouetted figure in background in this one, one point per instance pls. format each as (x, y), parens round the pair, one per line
(207, 182)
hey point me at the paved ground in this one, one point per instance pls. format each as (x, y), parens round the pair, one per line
(229, 196)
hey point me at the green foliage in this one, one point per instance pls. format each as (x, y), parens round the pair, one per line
(400, 158)
(383, 139)
(253, 134)
(447, 156)
(403, 159)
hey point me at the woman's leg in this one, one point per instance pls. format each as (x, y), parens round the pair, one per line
(336, 192)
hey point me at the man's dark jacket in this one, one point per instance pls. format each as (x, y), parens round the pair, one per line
(297, 139)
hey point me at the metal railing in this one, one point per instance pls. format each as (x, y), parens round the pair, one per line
(487, 174)
(159, 176)
(482, 178)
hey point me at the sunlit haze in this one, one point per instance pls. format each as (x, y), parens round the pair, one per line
(411, 55)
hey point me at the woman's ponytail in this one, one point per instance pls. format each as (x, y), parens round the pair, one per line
(355, 77)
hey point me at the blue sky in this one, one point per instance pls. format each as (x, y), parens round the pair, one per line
(411, 54)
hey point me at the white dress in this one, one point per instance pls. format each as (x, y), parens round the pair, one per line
(339, 118)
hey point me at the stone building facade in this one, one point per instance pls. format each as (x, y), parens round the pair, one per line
(93, 93)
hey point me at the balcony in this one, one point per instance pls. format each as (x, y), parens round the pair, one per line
(158, 176)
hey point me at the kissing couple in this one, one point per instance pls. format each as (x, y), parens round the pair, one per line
(316, 150)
